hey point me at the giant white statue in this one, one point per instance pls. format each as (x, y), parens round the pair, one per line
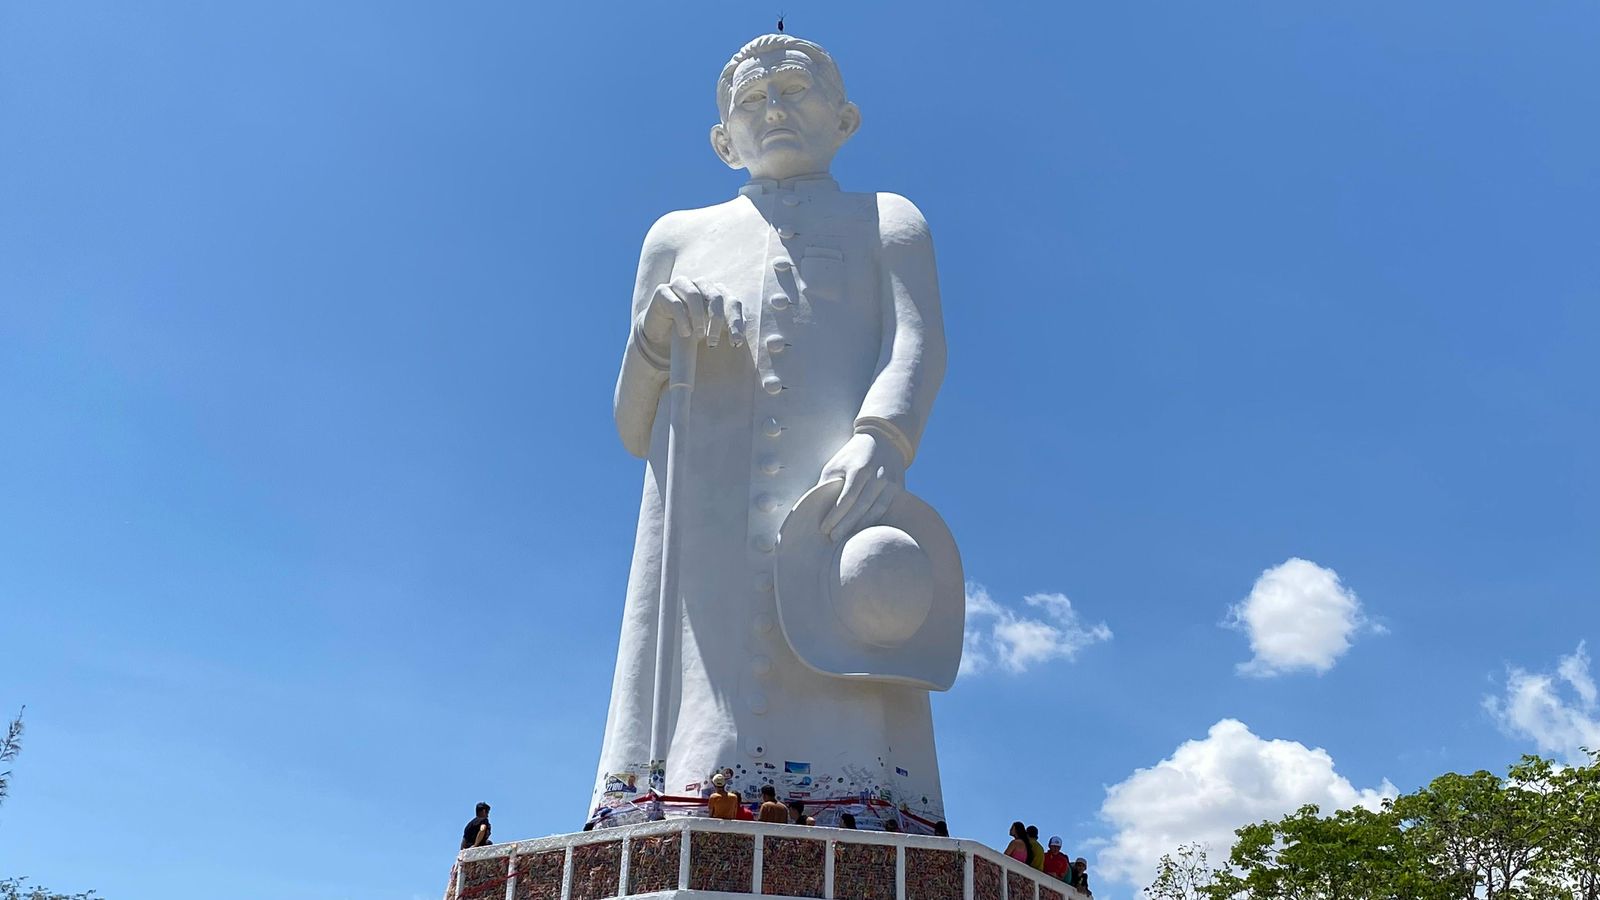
(790, 605)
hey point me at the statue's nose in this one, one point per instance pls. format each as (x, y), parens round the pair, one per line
(775, 111)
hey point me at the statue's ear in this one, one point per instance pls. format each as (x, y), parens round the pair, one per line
(723, 145)
(849, 121)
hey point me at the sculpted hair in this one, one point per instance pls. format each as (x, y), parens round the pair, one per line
(822, 64)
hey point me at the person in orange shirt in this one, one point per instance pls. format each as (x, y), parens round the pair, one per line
(1056, 863)
(771, 809)
(723, 803)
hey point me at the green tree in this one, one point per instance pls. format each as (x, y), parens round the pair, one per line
(1487, 833)
(1186, 876)
(18, 889)
(9, 748)
(1353, 854)
(1569, 868)
(1531, 835)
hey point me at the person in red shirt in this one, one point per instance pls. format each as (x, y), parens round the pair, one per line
(1056, 863)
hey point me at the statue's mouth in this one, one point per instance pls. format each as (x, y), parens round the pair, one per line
(779, 132)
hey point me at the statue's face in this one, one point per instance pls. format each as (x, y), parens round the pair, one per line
(781, 122)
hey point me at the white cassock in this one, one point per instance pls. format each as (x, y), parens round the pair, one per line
(843, 327)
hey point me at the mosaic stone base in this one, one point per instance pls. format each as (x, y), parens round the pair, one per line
(484, 878)
(1018, 887)
(653, 863)
(934, 874)
(595, 870)
(539, 875)
(986, 880)
(722, 862)
(793, 867)
(864, 872)
(795, 862)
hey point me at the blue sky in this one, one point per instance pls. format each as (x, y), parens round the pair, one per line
(314, 525)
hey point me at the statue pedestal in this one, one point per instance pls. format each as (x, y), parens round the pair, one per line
(716, 859)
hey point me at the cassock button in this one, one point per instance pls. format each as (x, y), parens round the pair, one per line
(755, 747)
(764, 582)
(763, 623)
(763, 542)
(771, 427)
(769, 464)
(761, 665)
(779, 301)
(776, 343)
(785, 232)
(758, 703)
(772, 384)
(766, 503)
(790, 200)
(781, 264)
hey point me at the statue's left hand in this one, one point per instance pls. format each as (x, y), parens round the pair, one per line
(874, 472)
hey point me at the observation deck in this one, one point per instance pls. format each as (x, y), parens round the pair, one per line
(698, 858)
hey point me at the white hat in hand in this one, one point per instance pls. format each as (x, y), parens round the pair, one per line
(886, 603)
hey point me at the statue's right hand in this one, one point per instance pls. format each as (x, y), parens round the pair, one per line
(694, 307)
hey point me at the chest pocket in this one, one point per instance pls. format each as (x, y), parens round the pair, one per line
(822, 274)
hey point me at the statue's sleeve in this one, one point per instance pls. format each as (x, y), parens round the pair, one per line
(644, 366)
(912, 360)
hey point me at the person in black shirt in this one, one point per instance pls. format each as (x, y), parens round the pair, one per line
(476, 834)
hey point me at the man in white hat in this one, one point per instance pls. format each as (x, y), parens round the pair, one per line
(723, 802)
(819, 343)
(1057, 864)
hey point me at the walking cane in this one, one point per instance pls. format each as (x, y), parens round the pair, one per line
(680, 388)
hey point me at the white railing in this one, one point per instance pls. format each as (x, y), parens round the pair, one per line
(491, 873)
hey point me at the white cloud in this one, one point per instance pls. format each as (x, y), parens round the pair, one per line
(1299, 617)
(1208, 788)
(999, 637)
(1534, 706)
(1574, 670)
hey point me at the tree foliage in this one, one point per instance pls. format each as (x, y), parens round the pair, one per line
(1571, 866)
(1186, 876)
(1485, 831)
(1351, 854)
(9, 748)
(18, 889)
(1531, 835)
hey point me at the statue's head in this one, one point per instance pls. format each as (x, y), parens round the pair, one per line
(784, 110)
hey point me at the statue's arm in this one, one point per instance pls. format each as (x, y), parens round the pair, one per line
(912, 361)
(644, 367)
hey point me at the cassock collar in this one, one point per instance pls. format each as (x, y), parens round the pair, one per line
(802, 184)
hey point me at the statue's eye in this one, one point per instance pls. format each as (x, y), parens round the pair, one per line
(794, 90)
(754, 97)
